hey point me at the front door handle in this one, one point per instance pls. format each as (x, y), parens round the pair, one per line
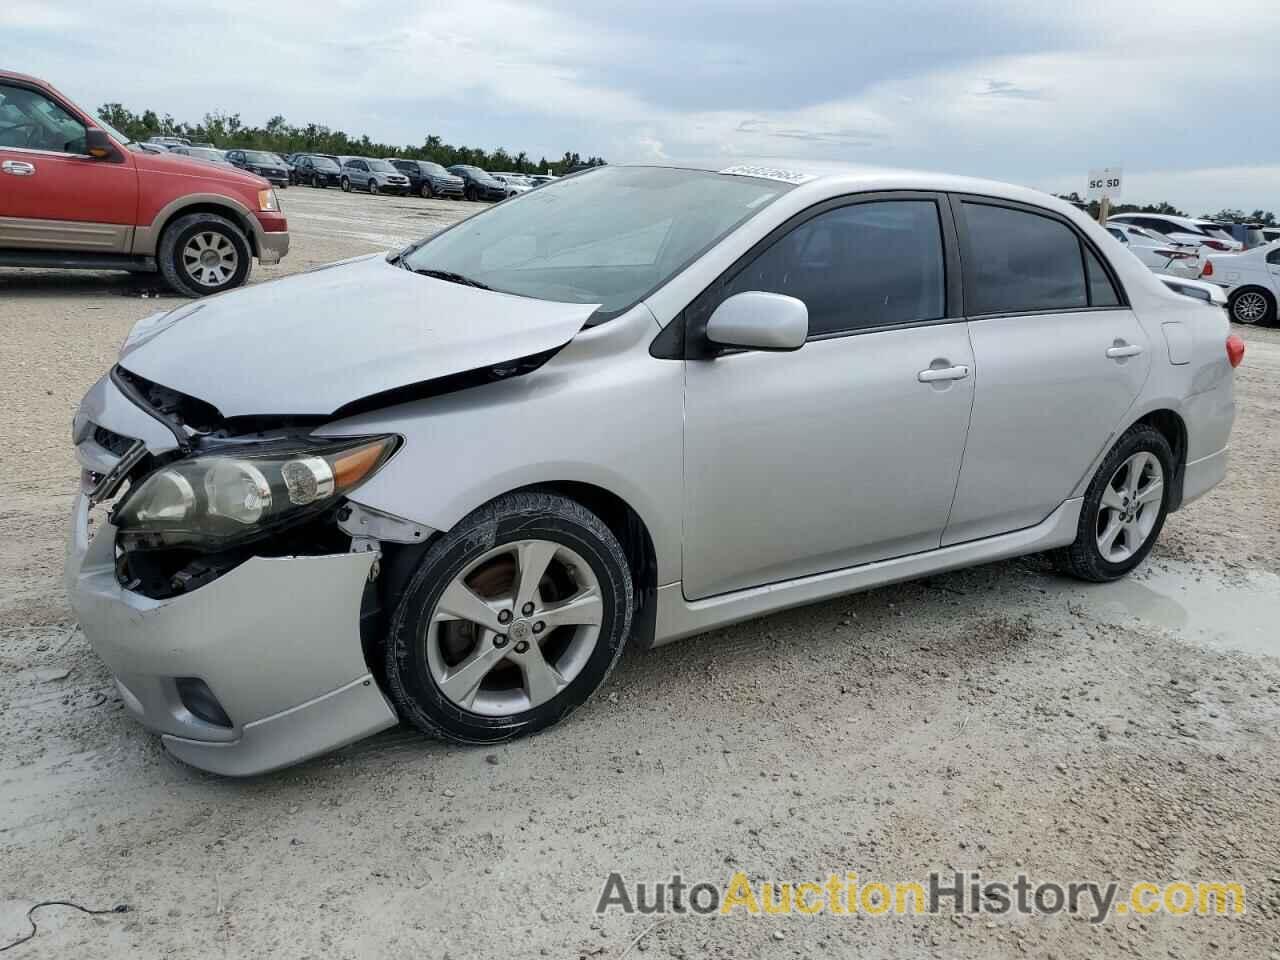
(1122, 350)
(18, 168)
(934, 374)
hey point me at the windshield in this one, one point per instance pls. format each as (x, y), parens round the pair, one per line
(324, 163)
(258, 156)
(381, 166)
(434, 169)
(202, 153)
(609, 236)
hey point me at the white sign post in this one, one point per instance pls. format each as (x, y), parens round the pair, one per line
(1105, 185)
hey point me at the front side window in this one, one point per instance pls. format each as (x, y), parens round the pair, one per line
(867, 265)
(607, 237)
(31, 121)
(1022, 262)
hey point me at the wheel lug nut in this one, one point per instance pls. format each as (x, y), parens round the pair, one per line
(500, 640)
(504, 616)
(528, 609)
(539, 626)
(522, 646)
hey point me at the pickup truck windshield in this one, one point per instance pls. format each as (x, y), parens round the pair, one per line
(609, 236)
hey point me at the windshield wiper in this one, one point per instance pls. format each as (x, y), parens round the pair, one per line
(448, 275)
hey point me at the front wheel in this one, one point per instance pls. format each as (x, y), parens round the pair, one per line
(512, 620)
(1253, 306)
(317, 183)
(470, 194)
(203, 253)
(373, 186)
(426, 192)
(1124, 508)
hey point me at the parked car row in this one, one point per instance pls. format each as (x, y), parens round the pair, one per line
(424, 178)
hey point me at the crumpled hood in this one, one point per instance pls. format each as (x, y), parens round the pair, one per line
(314, 342)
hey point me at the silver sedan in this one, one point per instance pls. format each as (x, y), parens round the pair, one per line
(446, 486)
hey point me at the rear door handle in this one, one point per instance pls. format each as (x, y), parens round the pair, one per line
(18, 168)
(933, 375)
(1122, 350)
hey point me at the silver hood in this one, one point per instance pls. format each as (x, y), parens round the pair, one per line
(314, 342)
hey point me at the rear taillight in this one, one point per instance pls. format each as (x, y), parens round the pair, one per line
(1235, 350)
(1216, 245)
(1176, 254)
(1207, 269)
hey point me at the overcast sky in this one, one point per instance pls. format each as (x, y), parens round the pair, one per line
(1185, 94)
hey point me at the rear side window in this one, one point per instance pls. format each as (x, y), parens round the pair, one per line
(1022, 262)
(1102, 293)
(1274, 256)
(866, 265)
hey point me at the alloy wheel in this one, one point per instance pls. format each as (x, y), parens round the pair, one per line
(1130, 507)
(514, 628)
(210, 258)
(1250, 307)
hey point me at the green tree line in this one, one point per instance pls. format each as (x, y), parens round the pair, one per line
(1265, 217)
(228, 131)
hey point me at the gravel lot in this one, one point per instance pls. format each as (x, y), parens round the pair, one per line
(1000, 718)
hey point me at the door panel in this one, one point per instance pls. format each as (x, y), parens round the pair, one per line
(831, 456)
(1048, 399)
(52, 196)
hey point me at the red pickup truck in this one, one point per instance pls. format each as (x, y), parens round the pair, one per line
(75, 193)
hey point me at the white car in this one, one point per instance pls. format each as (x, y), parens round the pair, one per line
(1159, 253)
(514, 182)
(1252, 282)
(1205, 233)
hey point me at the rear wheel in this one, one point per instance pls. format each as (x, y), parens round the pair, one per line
(1252, 305)
(345, 184)
(512, 620)
(203, 253)
(1124, 508)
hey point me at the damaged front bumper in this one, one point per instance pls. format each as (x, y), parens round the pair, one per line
(275, 642)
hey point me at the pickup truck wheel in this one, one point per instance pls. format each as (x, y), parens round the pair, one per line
(345, 184)
(203, 253)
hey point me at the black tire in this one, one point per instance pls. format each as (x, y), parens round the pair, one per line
(1243, 305)
(372, 186)
(508, 519)
(1082, 558)
(175, 239)
(345, 184)
(470, 194)
(317, 182)
(425, 190)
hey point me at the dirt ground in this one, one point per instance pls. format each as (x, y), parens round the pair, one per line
(1000, 719)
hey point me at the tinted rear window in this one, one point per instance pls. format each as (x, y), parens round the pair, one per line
(1023, 262)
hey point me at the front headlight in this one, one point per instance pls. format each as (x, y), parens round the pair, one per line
(216, 500)
(267, 201)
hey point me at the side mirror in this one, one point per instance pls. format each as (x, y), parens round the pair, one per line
(97, 144)
(760, 321)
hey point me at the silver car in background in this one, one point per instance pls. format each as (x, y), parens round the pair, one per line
(446, 486)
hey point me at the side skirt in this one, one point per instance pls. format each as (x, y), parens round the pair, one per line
(678, 617)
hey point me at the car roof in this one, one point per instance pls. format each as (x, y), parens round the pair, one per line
(854, 178)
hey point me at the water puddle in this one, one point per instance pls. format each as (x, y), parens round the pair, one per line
(1237, 613)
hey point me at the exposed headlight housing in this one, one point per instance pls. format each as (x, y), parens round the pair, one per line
(268, 202)
(220, 499)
